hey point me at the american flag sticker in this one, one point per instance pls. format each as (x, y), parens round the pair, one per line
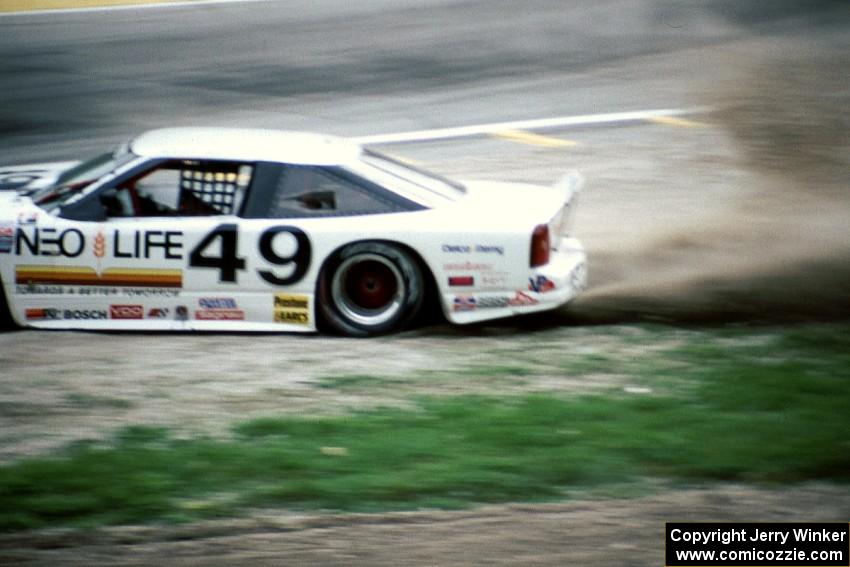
(464, 303)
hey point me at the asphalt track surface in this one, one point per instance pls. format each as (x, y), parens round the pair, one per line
(665, 201)
(73, 83)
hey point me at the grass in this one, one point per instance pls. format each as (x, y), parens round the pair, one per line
(93, 401)
(354, 382)
(769, 409)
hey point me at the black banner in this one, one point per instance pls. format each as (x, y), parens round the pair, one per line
(757, 544)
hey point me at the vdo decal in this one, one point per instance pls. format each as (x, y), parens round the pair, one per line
(218, 251)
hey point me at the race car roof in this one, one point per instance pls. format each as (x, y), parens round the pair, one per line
(244, 145)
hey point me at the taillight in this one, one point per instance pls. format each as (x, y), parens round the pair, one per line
(540, 245)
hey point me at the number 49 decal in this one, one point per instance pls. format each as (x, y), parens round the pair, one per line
(226, 260)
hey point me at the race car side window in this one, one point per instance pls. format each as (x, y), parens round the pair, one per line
(307, 191)
(180, 188)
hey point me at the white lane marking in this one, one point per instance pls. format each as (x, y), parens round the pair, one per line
(536, 124)
(124, 7)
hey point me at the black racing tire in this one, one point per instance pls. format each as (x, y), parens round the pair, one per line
(370, 288)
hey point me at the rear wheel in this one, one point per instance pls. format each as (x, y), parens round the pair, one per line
(370, 288)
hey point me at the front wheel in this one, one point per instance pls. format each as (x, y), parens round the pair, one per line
(370, 288)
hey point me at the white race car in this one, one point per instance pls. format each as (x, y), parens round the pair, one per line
(204, 229)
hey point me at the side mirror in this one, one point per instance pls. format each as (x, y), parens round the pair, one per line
(89, 209)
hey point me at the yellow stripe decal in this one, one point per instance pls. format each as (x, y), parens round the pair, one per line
(58, 275)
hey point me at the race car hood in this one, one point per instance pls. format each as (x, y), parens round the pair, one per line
(13, 206)
(9, 201)
(26, 178)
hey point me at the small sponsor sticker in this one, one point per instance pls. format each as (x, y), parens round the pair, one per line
(220, 315)
(217, 303)
(578, 279)
(27, 218)
(492, 302)
(51, 313)
(467, 267)
(522, 299)
(85, 314)
(540, 284)
(99, 247)
(464, 303)
(292, 309)
(292, 316)
(42, 314)
(126, 312)
(289, 301)
(461, 281)
(218, 309)
(476, 248)
(7, 237)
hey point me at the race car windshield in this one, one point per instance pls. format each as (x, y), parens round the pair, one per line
(421, 186)
(79, 177)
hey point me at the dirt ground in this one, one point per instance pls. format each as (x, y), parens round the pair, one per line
(583, 532)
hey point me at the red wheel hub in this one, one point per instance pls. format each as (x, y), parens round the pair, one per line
(371, 285)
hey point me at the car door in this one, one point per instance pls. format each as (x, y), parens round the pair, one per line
(160, 247)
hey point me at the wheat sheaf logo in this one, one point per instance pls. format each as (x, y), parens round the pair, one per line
(99, 251)
(99, 245)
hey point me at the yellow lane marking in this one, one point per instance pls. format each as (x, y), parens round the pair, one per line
(674, 121)
(533, 139)
(36, 5)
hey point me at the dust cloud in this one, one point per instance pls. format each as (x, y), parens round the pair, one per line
(780, 251)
